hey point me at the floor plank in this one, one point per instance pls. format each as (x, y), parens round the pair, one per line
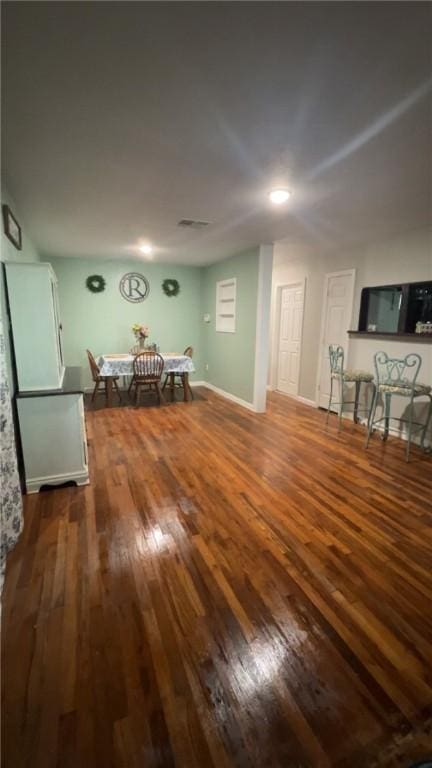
(231, 590)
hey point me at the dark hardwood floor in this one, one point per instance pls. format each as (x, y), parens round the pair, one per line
(230, 590)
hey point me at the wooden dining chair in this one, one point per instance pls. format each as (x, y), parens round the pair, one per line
(135, 350)
(178, 380)
(148, 368)
(129, 380)
(101, 380)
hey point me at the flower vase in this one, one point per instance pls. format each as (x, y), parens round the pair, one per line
(142, 342)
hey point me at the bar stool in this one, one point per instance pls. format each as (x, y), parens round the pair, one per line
(398, 376)
(337, 373)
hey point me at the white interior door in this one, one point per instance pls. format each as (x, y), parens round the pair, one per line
(336, 321)
(290, 337)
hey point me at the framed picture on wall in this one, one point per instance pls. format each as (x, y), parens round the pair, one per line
(11, 227)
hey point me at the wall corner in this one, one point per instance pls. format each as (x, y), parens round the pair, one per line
(262, 336)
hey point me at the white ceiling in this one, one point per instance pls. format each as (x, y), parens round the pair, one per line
(122, 118)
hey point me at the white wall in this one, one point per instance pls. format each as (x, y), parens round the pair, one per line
(8, 252)
(406, 258)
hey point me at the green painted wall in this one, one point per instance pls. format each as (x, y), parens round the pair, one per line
(102, 322)
(231, 356)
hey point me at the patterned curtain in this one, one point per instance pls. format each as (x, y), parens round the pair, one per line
(11, 508)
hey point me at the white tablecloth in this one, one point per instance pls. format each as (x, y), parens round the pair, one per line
(122, 365)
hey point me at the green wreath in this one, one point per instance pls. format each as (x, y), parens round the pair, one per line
(95, 283)
(171, 287)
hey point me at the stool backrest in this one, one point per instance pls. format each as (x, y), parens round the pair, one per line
(397, 372)
(336, 358)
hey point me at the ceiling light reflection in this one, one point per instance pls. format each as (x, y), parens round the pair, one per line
(279, 196)
(146, 248)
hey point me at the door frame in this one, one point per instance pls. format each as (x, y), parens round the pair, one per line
(327, 277)
(279, 289)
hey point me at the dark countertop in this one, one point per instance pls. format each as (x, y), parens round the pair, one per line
(392, 336)
(72, 385)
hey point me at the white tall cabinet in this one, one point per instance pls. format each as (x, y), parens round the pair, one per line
(36, 326)
(49, 396)
(54, 440)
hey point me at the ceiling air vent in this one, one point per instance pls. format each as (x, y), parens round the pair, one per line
(192, 224)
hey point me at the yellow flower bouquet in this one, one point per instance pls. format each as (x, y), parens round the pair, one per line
(140, 331)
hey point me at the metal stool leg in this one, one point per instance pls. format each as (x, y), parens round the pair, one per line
(372, 415)
(356, 401)
(370, 409)
(387, 403)
(410, 418)
(341, 402)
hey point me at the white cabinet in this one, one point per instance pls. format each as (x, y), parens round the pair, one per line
(36, 326)
(54, 441)
(50, 403)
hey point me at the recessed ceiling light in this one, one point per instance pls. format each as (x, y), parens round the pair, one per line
(279, 196)
(146, 248)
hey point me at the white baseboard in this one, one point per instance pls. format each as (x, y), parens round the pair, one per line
(197, 383)
(299, 398)
(229, 396)
(305, 401)
(250, 406)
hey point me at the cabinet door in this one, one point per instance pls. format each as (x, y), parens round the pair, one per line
(53, 439)
(32, 292)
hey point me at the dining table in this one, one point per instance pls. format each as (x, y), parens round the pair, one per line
(118, 364)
